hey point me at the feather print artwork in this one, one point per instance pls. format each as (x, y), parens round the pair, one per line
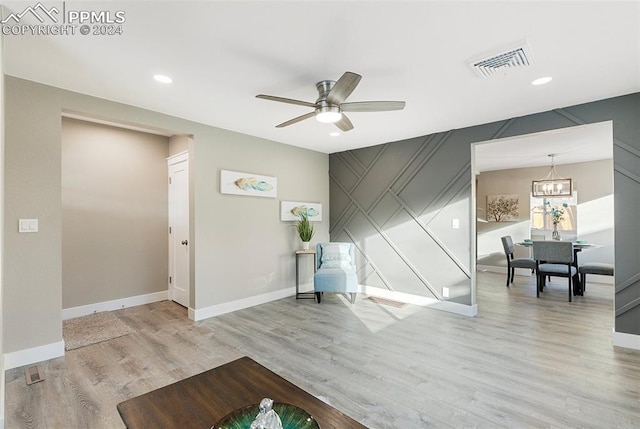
(301, 210)
(251, 183)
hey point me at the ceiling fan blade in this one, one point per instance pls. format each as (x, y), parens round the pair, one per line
(344, 123)
(296, 120)
(286, 100)
(343, 88)
(372, 106)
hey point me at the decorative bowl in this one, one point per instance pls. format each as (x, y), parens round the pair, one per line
(527, 240)
(292, 417)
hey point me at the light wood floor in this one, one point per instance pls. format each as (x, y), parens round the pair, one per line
(522, 363)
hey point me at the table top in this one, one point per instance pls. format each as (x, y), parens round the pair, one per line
(575, 244)
(304, 251)
(200, 401)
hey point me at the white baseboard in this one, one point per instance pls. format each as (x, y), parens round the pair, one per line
(33, 355)
(451, 307)
(503, 270)
(116, 304)
(629, 341)
(240, 304)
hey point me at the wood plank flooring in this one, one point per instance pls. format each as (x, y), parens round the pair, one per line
(522, 363)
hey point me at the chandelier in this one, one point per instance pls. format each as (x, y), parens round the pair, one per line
(552, 185)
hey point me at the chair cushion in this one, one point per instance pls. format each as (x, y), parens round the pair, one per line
(556, 269)
(335, 280)
(523, 263)
(596, 268)
(335, 255)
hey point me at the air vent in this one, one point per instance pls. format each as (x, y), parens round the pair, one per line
(516, 57)
(33, 374)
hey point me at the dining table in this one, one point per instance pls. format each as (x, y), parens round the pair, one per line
(578, 246)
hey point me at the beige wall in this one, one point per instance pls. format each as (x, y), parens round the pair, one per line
(592, 180)
(178, 144)
(1, 229)
(240, 247)
(114, 213)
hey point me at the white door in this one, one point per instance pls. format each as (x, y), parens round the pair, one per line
(179, 229)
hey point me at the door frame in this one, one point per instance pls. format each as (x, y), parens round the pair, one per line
(172, 160)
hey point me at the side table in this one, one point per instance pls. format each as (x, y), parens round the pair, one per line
(304, 295)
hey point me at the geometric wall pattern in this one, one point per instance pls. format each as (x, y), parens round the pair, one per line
(397, 203)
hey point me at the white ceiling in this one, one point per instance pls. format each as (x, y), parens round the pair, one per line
(221, 54)
(570, 145)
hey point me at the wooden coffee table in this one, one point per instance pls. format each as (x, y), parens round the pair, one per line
(200, 401)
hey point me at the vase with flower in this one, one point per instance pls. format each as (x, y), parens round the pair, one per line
(557, 215)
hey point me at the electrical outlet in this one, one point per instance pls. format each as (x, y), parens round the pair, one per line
(27, 225)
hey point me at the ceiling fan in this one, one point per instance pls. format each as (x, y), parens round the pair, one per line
(330, 105)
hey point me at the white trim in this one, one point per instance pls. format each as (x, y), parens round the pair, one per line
(118, 124)
(116, 304)
(239, 304)
(526, 272)
(33, 355)
(629, 341)
(178, 157)
(451, 307)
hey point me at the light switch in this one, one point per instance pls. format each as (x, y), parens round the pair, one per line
(27, 225)
(455, 223)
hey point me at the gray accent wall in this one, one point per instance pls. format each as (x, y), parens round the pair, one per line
(396, 202)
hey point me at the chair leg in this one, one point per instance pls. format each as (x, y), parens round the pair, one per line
(583, 282)
(353, 297)
(508, 272)
(513, 272)
(319, 297)
(570, 294)
(537, 285)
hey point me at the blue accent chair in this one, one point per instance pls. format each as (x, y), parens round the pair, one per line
(336, 270)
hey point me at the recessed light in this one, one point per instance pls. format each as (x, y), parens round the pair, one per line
(542, 80)
(334, 134)
(162, 78)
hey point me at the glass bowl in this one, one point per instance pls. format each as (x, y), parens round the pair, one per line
(292, 417)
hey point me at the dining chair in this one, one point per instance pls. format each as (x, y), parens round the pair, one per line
(513, 263)
(553, 258)
(593, 268)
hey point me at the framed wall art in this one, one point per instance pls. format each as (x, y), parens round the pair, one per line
(248, 184)
(291, 210)
(502, 208)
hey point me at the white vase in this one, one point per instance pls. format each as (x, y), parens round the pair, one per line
(305, 245)
(555, 234)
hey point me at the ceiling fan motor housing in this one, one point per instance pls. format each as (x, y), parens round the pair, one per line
(324, 87)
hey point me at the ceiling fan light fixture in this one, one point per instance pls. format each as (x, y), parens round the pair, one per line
(328, 114)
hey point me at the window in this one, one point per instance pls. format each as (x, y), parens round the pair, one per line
(541, 209)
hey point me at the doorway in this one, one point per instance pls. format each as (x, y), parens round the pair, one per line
(507, 167)
(114, 216)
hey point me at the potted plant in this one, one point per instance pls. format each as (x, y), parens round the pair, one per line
(305, 230)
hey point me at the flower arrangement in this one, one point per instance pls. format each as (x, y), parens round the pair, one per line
(557, 214)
